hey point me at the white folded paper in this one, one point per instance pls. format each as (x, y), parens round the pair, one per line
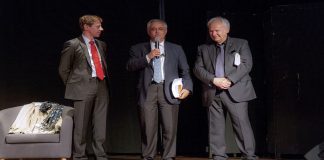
(176, 87)
(237, 59)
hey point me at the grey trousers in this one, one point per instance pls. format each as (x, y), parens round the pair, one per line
(238, 113)
(156, 105)
(92, 109)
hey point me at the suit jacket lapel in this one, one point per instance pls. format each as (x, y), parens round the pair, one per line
(167, 49)
(228, 50)
(85, 49)
(147, 49)
(212, 55)
(102, 55)
(101, 51)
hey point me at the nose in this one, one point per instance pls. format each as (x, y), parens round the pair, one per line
(213, 33)
(101, 29)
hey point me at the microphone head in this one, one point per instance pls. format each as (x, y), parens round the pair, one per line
(157, 42)
(157, 39)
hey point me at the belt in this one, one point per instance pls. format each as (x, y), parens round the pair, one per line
(153, 82)
(96, 79)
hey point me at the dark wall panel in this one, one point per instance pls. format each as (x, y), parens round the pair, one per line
(295, 52)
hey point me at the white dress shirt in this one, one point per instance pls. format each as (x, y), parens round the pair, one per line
(162, 55)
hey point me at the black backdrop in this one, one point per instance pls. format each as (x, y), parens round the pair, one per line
(33, 32)
(295, 52)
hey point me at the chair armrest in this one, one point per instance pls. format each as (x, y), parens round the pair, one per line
(7, 117)
(67, 123)
(67, 126)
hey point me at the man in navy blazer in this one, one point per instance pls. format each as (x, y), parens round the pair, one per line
(167, 61)
(223, 67)
(86, 85)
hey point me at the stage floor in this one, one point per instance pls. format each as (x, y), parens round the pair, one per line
(134, 157)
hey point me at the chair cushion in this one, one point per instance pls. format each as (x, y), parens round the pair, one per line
(32, 138)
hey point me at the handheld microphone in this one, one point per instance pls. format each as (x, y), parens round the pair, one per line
(157, 42)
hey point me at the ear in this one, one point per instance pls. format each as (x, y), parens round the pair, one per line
(227, 30)
(86, 27)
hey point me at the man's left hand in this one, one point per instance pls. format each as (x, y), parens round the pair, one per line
(184, 94)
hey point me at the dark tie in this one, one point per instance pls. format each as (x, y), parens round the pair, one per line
(219, 72)
(96, 60)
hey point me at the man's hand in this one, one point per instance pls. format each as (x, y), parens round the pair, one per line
(154, 53)
(222, 83)
(184, 94)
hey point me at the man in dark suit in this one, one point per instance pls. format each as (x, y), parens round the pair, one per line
(83, 70)
(223, 67)
(158, 63)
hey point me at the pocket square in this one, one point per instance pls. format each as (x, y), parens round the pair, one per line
(237, 59)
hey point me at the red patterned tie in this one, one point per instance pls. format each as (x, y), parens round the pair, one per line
(96, 61)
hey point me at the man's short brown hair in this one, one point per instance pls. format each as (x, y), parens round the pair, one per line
(88, 20)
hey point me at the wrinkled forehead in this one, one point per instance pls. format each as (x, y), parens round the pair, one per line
(217, 25)
(156, 24)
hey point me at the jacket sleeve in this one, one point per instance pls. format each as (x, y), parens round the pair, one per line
(184, 71)
(66, 61)
(200, 70)
(137, 60)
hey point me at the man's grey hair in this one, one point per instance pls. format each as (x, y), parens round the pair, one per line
(219, 19)
(156, 20)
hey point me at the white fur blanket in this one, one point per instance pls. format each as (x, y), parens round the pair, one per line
(29, 121)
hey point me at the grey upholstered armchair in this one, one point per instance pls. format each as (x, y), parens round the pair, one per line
(35, 145)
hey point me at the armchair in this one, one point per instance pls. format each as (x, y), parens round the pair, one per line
(35, 145)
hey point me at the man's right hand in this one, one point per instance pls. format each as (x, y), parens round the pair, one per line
(222, 83)
(154, 53)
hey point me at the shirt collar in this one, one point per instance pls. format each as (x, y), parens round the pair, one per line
(224, 43)
(86, 40)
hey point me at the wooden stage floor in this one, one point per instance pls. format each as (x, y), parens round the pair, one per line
(136, 157)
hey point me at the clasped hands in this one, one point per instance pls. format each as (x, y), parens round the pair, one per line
(222, 83)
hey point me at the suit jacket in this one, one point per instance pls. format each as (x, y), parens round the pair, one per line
(242, 88)
(175, 66)
(75, 67)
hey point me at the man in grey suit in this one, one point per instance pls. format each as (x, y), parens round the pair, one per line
(158, 63)
(223, 68)
(83, 70)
